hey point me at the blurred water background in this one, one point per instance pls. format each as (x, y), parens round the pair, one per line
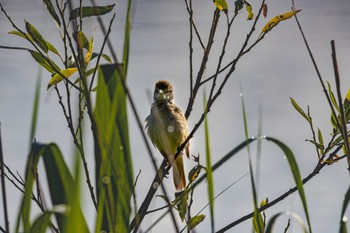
(276, 69)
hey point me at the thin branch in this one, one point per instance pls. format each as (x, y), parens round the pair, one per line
(192, 23)
(101, 51)
(190, 44)
(3, 187)
(340, 103)
(315, 66)
(204, 62)
(275, 201)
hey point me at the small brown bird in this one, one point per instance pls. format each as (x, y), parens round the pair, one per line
(167, 128)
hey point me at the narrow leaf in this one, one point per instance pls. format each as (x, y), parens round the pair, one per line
(41, 224)
(273, 219)
(249, 9)
(107, 58)
(209, 166)
(238, 6)
(127, 31)
(57, 77)
(62, 186)
(257, 221)
(320, 140)
(89, 52)
(181, 203)
(296, 175)
(37, 37)
(275, 20)
(43, 61)
(50, 46)
(195, 221)
(299, 109)
(114, 160)
(52, 12)
(333, 99)
(88, 11)
(35, 108)
(82, 40)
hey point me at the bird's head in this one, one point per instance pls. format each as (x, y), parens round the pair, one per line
(163, 91)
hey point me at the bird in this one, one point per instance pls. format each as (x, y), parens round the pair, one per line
(167, 128)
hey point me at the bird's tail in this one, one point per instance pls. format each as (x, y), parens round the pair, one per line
(179, 173)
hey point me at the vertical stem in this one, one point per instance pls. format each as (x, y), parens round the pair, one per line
(3, 187)
(340, 103)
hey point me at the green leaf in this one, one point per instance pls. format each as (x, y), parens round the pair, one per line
(127, 31)
(57, 77)
(258, 222)
(210, 182)
(82, 40)
(106, 57)
(114, 161)
(37, 37)
(63, 187)
(343, 219)
(60, 182)
(35, 108)
(296, 175)
(332, 97)
(88, 11)
(181, 203)
(50, 46)
(195, 221)
(41, 224)
(347, 107)
(299, 109)
(52, 12)
(43, 61)
(238, 6)
(320, 140)
(74, 215)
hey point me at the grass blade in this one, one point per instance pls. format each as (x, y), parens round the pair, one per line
(296, 175)
(257, 219)
(293, 215)
(35, 107)
(209, 168)
(115, 164)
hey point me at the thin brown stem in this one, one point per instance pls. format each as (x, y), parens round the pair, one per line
(204, 62)
(340, 103)
(3, 187)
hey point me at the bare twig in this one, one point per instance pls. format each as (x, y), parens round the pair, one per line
(340, 103)
(204, 62)
(192, 23)
(287, 227)
(315, 66)
(3, 187)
